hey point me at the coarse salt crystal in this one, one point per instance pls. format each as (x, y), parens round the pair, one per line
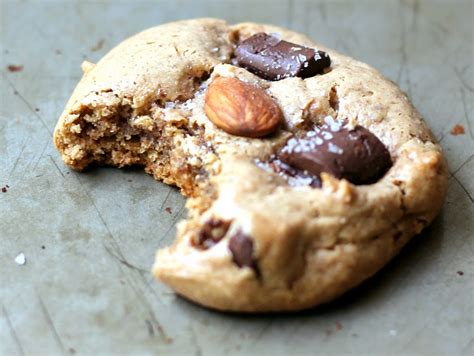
(20, 259)
(335, 149)
(327, 135)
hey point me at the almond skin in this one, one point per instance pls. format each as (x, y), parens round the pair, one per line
(241, 109)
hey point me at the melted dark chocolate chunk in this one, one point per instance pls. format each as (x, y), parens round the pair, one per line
(241, 247)
(273, 59)
(211, 233)
(353, 154)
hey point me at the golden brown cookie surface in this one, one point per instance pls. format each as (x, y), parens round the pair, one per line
(257, 238)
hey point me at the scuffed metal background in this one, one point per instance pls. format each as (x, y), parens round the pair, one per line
(89, 239)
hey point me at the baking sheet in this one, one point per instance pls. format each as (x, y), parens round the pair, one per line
(88, 239)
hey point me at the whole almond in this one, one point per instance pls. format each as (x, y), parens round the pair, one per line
(241, 109)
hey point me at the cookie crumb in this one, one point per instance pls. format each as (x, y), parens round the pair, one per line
(168, 210)
(4, 189)
(98, 45)
(14, 68)
(20, 259)
(461, 273)
(457, 130)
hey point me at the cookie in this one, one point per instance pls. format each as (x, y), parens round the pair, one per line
(306, 171)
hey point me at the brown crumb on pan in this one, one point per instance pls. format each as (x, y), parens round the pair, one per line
(14, 68)
(457, 130)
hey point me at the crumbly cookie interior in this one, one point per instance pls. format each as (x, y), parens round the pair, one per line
(120, 139)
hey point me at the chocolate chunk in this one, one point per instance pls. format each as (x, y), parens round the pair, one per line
(241, 247)
(273, 59)
(353, 154)
(211, 233)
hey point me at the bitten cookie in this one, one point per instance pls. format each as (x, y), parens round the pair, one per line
(306, 170)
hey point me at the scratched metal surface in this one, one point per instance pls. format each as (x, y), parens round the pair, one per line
(89, 239)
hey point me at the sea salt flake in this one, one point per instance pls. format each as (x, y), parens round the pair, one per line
(327, 135)
(335, 149)
(276, 35)
(20, 259)
(329, 120)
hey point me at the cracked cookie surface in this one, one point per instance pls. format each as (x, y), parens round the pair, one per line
(256, 239)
